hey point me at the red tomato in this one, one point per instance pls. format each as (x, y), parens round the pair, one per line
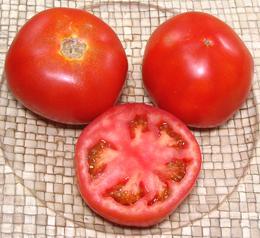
(196, 67)
(135, 164)
(66, 65)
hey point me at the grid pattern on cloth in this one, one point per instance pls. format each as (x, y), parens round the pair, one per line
(38, 192)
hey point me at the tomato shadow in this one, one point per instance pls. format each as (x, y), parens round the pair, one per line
(47, 122)
(92, 6)
(234, 122)
(135, 228)
(40, 120)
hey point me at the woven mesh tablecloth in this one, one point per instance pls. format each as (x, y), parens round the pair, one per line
(38, 193)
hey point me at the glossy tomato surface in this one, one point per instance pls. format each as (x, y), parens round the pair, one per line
(135, 164)
(196, 67)
(66, 65)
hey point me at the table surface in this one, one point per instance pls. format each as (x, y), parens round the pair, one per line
(29, 207)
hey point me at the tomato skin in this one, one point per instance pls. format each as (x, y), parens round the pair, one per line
(59, 87)
(139, 215)
(196, 67)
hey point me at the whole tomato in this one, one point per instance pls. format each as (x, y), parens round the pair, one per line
(66, 65)
(196, 67)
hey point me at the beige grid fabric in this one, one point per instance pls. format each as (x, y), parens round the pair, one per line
(38, 192)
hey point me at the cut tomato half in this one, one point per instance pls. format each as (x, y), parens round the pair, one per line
(135, 163)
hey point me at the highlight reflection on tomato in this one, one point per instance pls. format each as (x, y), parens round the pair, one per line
(66, 65)
(135, 164)
(196, 67)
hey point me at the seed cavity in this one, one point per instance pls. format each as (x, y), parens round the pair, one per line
(128, 192)
(95, 158)
(161, 196)
(176, 170)
(138, 125)
(170, 137)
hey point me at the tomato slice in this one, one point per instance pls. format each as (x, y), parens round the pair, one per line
(135, 163)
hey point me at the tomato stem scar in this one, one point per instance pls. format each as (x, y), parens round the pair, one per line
(73, 48)
(207, 42)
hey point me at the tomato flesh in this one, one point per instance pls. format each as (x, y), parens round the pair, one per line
(135, 164)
